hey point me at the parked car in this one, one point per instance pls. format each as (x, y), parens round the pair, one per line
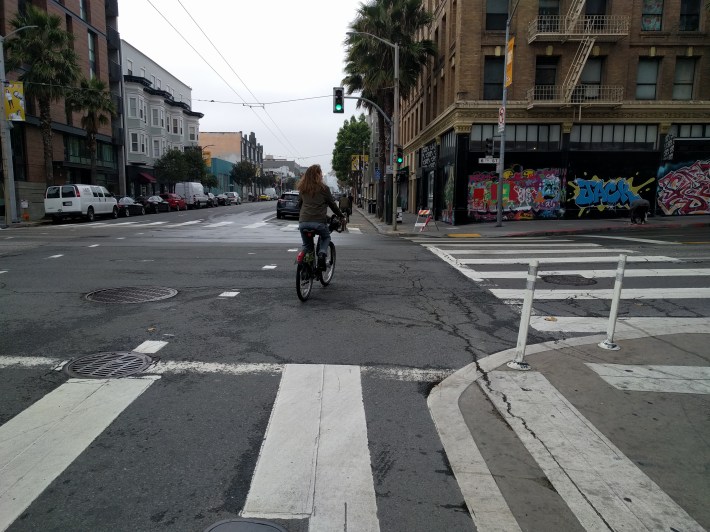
(236, 198)
(264, 197)
(154, 204)
(287, 205)
(128, 207)
(223, 199)
(212, 200)
(176, 201)
(193, 192)
(69, 201)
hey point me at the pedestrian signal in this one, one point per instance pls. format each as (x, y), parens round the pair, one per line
(338, 100)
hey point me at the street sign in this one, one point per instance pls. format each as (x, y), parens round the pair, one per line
(488, 160)
(501, 119)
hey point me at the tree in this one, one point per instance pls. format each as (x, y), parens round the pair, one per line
(210, 181)
(369, 64)
(95, 102)
(243, 173)
(171, 168)
(49, 65)
(351, 138)
(196, 167)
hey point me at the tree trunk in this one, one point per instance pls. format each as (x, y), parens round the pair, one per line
(45, 125)
(92, 150)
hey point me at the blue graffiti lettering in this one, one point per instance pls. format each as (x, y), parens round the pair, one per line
(597, 192)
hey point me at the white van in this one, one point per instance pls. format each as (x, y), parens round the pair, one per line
(88, 201)
(194, 194)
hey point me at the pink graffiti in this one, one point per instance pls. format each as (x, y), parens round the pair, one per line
(686, 190)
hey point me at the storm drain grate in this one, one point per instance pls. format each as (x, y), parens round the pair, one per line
(574, 280)
(132, 294)
(108, 365)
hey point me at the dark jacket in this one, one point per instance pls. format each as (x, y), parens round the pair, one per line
(315, 208)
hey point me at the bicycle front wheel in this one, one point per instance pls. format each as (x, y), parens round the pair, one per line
(304, 282)
(327, 275)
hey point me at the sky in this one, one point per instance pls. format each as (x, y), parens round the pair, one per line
(285, 54)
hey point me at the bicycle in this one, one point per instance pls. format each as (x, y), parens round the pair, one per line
(307, 269)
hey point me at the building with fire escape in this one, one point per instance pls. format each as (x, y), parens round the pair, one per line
(609, 101)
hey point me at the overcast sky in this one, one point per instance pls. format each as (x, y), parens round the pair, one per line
(257, 51)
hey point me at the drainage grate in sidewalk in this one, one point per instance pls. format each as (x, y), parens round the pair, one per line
(108, 365)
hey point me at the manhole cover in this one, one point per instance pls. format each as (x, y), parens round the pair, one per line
(131, 294)
(108, 365)
(574, 280)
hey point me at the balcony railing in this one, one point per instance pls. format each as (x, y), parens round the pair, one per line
(585, 95)
(560, 28)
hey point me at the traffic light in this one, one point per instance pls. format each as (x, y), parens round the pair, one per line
(338, 100)
(489, 147)
(400, 155)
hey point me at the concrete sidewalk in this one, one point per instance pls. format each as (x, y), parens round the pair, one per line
(528, 227)
(589, 438)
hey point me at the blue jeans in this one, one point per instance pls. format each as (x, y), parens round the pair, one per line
(321, 229)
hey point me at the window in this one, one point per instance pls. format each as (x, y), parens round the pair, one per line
(545, 77)
(156, 147)
(132, 107)
(83, 12)
(192, 133)
(143, 72)
(496, 14)
(93, 65)
(129, 67)
(134, 143)
(549, 16)
(159, 83)
(591, 78)
(652, 15)
(613, 137)
(647, 78)
(689, 15)
(175, 126)
(152, 81)
(549, 7)
(155, 117)
(162, 118)
(684, 77)
(493, 78)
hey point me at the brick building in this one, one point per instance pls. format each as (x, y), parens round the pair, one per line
(608, 101)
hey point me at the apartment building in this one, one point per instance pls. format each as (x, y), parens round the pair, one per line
(607, 101)
(158, 117)
(93, 24)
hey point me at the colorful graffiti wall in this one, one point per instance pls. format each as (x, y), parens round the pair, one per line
(606, 195)
(685, 188)
(527, 194)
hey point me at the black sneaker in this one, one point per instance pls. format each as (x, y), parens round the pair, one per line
(321, 261)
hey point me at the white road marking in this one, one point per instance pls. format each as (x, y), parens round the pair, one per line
(540, 245)
(580, 258)
(229, 294)
(40, 442)
(167, 366)
(354, 230)
(150, 346)
(597, 274)
(293, 250)
(255, 225)
(121, 238)
(600, 325)
(3, 271)
(126, 223)
(183, 224)
(567, 260)
(54, 256)
(601, 486)
(94, 245)
(642, 240)
(28, 362)
(664, 379)
(315, 461)
(626, 293)
(269, 267)
(219, 224)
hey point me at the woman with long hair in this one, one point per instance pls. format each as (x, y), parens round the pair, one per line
(313, 202)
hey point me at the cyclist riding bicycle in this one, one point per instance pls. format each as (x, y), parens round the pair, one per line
(313, 202)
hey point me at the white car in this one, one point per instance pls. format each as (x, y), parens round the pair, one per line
(88, 201)
(236, 198)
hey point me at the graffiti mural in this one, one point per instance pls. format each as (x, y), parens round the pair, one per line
(527, 194)
(685, 189)
(605, 194)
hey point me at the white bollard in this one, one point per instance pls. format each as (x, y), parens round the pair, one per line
(609, 342)
(519, 362)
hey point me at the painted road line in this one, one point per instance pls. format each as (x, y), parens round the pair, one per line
(43, 440)
(255, 225)
(627, 238)
(269, 267)
(665, 379)
(570, 250)
(3, 271)
(626, 293)
(150, 346)
(94, 245)
(600, 325)
(597, 274)
(54, 256)
(183, 224)
(166, 366)
(354, 230)
(219, 224)
(126, 223)
(601, 486)
(28, 362)
(476, 241)
(228, 294)
(315, 461)
(567, 260)
(456, 245)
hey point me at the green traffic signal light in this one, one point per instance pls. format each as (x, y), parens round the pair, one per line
(400, 155)
(338, 100)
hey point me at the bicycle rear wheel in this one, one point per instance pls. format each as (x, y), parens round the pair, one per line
(327, 275)
(304, 282)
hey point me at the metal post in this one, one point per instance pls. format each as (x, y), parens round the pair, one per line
(519, 362)
(395, 135)
(7, 167)
(609, 342)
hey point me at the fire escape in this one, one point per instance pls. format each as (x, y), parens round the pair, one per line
(587, 30)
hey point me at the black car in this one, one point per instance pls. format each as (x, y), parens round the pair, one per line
(287, 205)
(128, 207)
(154, 204)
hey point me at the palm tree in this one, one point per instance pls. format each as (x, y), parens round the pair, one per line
(95, 102)
(48, 65)
(369, 64)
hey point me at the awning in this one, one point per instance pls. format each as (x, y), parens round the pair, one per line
(146, 178)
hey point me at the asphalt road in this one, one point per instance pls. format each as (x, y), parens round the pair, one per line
(183, 453)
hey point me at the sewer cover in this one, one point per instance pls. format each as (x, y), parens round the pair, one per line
(108, 365)
(574, 280)
(131, 294)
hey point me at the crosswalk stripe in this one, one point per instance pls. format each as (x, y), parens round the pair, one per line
(315, 460)
(219, 224)
(626, 293)
(666, 379)
(602, 487)
(183, 224)
(586, 324)
(534, 251)
(597, 274)
(456, 245)
(567, 260)
(40, 442)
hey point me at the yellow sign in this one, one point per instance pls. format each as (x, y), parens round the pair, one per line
(355, 161)
(207, 157)
(509, 62)
(14, 101)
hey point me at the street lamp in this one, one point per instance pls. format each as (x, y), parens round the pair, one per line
(7, 166)
(395, 119)
(501, 127)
